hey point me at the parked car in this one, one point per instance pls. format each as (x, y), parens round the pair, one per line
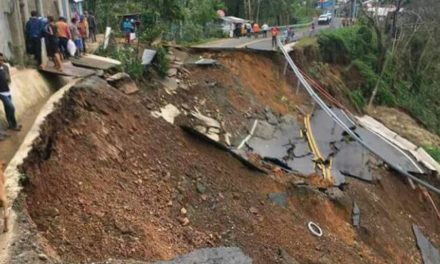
(325, 19)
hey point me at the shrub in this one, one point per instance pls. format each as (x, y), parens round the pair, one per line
(346, 44)
(149, 34)
(357, 99)
(161, 63)
(130, 61)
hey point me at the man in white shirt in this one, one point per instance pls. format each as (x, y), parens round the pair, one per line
(265, 28)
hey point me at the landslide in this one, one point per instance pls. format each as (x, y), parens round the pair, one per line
(107, 180)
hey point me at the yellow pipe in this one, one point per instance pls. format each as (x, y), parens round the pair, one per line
(326, 170)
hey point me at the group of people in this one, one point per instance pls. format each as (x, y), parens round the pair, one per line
(57, 35)
(250, 29)
(129, 27)
(254, 29)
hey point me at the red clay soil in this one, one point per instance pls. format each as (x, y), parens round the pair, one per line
(263, 77)
(107, 180)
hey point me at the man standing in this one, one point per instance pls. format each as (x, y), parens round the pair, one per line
(256, 29)
(83, 28)
(127, 28)
(92, 26)
(76, 36)
(274, 31)
(63, 34)
(34, 33)
(5, 95)
(265, 28)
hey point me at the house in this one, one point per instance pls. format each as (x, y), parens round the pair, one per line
(15, 13)
(230, 22)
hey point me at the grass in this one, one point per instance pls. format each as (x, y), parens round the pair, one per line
(307, 41)
(434, 152)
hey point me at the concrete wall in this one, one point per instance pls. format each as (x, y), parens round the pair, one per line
(51, 8)
(5, 33)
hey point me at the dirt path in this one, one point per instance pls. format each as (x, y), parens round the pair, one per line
(10, 145)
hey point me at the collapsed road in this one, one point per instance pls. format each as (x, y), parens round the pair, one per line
(112, 178)
(348, 129)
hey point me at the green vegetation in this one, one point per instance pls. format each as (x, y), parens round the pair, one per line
(402, 71)
(172, 20)
(187, 21)
(130, 62)
(161, 62)
(306, 42)
(434, 152)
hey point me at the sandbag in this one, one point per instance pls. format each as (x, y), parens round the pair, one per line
(71, 48)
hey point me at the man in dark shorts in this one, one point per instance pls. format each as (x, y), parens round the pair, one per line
(53, 49)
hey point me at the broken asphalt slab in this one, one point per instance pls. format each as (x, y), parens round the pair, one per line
(68, 70)
(346, 157)
(95, 62)
(430, 254)
(222, 255)
(283, 146)
(279, 199)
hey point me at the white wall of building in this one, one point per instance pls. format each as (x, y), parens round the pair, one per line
(5, 33)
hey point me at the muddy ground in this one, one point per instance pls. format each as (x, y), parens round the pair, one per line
(107, 180)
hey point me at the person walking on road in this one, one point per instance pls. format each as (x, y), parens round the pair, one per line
(274, 32)
(34, 33)
(5, 95)
(312, 32)
(248, 30)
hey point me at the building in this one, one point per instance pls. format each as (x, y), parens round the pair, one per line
(15, 13)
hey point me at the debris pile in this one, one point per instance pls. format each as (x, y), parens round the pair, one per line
(153, 193)
(177, 76)
(123, 82)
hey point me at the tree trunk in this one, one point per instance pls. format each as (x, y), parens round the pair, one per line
(396, 13)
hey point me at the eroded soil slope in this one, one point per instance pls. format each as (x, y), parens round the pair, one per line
(107, 180)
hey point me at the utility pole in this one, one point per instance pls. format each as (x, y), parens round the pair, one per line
(258, 11)
(246, 13)
(250, 10)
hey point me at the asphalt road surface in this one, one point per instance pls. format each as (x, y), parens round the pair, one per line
(263, 44)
